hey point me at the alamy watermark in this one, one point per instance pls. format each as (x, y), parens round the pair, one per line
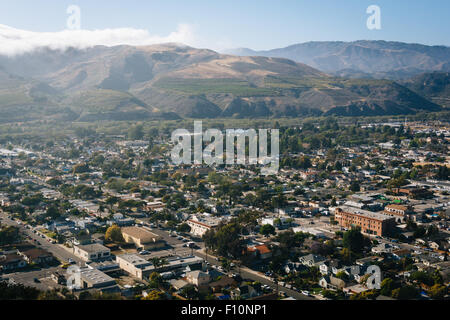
(189, 149)
(74, 19)
(374, 20)
(74, 278)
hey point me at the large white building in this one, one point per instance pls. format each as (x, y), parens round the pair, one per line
(199, 226)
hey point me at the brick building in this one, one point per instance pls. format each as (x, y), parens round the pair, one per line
(370, 222)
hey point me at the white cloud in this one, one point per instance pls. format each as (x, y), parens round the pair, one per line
(15, 41)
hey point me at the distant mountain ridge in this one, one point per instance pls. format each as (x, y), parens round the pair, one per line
(434, 86)
(171, 81)
(363, 59)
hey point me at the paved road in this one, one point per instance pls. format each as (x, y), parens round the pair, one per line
(57, 250)
(255, 276)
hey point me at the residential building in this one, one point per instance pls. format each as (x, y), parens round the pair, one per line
(37, 256)
(199, 226)
(399, 212)
(12, 261)
(198, 278)
(370, 222)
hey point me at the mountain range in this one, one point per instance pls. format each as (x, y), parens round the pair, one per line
(363, 59)
(172, 81)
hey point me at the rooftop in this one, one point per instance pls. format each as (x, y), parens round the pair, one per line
(92, 248)
(142, 234)
(95, 277)
(365, 213)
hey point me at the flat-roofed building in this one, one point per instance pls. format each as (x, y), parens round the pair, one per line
(155, 206)
(142, 238)
(140, 268)
(370, 222)
(135, 265)
(92, 252)
(93, 278)
(199, 226)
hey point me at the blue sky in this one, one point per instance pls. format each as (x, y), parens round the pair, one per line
(257, 24)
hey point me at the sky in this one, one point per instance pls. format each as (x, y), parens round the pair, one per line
(219, 25)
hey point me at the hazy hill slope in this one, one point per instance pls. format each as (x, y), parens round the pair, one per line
(362, 59)
(434, 86)
(171, 81)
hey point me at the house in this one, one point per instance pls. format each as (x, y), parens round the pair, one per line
(312, 260)
(155, 206)
(244, 292)
(198, 278)
(329, 267)
(355, 289)
(332, 283)
(414, 192)
(92, 252)
(433, 245)
(368, 261)
(382, 248)
(37, 256)
(179, 284)
(401, 253)
(223, 283)
(260, 251)
(293, 267)
(12, 261)
(143, 238)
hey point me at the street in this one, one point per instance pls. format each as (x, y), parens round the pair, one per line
(247, 273)
(60, 253)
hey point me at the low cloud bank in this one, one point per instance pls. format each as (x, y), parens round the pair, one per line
(15, 41)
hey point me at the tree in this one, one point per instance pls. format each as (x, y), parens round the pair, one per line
(267, 230)
(53, 212)
(342, 275)
(189, 292)
(354, 240)
(387, 285)
(438, 291)
(136, 133)
(226, 240)
(355, 187)
(159, 262)
(9, 235)
(405, 293)
(154, 295)
(114, 234)
(184, 228)
(80, 168)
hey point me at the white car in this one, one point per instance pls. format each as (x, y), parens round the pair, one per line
(306, 293)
